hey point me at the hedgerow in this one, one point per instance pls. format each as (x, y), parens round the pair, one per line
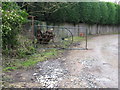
(106, 13)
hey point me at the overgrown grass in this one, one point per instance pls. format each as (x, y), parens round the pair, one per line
(69, 41)
(9, 68)
(38, 56)
(31, 60)
(78, 39)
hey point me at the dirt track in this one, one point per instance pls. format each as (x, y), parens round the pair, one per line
(95, 67)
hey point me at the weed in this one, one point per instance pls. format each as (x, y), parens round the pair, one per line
(9, 68)
(26, 60)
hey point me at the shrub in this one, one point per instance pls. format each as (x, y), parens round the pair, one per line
(12, 19)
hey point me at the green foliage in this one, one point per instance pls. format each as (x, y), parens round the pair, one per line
(9, 68)
(31, 60)
(111, 13)
(59, 15)
(71, 12)
(78, 39)
(80, 10)
(43, 10)
(25, 46)
(20, 57)
(118, 14)
(40, 57)
(14, 44)
(86, 11)
(12, 18)
(104, 13)
(95, 13)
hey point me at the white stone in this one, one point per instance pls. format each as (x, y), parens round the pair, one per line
(35, 74)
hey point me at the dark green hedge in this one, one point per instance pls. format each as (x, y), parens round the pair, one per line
(106, 13)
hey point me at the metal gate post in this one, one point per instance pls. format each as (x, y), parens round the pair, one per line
(33, 26)
(86, 40)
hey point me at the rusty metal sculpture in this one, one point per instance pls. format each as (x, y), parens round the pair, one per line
(46, 37)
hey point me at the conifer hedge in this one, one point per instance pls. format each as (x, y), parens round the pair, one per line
(105, 13)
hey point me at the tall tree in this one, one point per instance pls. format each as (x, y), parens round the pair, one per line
(86, 11)
(111, 13)
(118, 14)
(73, 13)
(104, 13)
(95, 13)
(83, 12)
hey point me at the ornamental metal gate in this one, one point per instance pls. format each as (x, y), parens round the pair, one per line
(60, 37)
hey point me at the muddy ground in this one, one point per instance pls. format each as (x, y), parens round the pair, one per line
(96, 67)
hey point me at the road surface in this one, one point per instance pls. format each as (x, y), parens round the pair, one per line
(96, 67)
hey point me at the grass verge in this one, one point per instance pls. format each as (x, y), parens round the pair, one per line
(31, 60)
(78, 39)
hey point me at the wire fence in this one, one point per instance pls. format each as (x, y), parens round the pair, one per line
(55, 36)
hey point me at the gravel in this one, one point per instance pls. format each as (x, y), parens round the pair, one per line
(50, 73)
(93, 68)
